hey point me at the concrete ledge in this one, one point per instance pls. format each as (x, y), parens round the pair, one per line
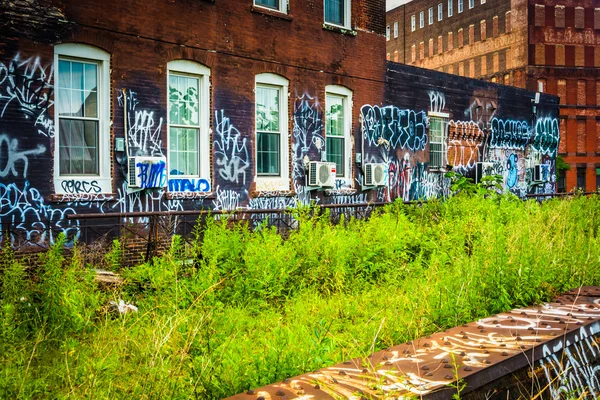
(551, 348)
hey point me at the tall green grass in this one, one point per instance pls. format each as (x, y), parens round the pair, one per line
(255, 308)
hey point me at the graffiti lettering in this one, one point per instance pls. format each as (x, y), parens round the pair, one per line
(189, 185)
(230, 150)
(152, 174)
(394, 128)
(10, 156)
(80, 187)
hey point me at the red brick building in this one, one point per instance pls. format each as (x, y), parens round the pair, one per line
(226, 105)
(544, 45)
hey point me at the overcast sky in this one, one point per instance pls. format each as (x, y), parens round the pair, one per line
(389, 4)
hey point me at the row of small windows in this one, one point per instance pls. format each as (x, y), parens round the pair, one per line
(560, 16)
(440, 13)
(336, 12)
(83, 127)
(460, 39)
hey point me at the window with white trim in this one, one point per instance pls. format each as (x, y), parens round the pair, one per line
(82, 115)
(471, 4)
(276, 5)
(460, 6)
(430, 15)
(422, 19)
(395, 29)
(450, 9)
(387, 32)
(440, 11)
(413, 23)
(188, 120)
(338, 124)
(337, 12)
(437, 140)
(271, 122)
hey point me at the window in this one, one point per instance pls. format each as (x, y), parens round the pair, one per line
(277, 5)
(387, 33)
(581, 177)
(271, 95)
(337, 12)
(82, 116)
(437, 140)
(471, 4)
(597, 179)
(450, 9)
(482, 1)
(338, 123)
(440, 12)
(460, 6)
(395, 29)
(188, 119)
(413, 23)
(422, 19)
(430, 15)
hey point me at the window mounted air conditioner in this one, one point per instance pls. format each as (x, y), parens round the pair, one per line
(374, 174)
(321, 174)
(483, 169)
(146, 172)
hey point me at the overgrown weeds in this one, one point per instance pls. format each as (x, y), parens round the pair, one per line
(253, 308)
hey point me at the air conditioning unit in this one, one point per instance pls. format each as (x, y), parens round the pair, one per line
(537, 173)
(374, 174)
(147, 172)
(483, 169)
(321, 174)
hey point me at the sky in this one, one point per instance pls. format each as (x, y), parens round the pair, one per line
(389, 4)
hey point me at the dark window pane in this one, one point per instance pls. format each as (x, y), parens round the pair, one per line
(267, 152)
(334, 11)
(335, 153)
(268, 3)
(78, 147)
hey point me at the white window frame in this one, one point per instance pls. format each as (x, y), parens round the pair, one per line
(471, 4)
(440, 12)
(413, 23)
(347, 15)
(94, 55)
(202, 73)
(387, 33)
(483, 1)
(346, 94)
(422, 19)
(460, 6)
(282, 182)
(430, 15)
(283, 6)
(443, 118)
(395, 29)
(450, 8)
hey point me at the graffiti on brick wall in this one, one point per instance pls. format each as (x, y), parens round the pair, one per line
(546, 136)
(394, 128)
(76, 186)
(510, 134)
(571, 368)
(26, 84)
(437, 101)
(231, 151)
(14, 161)
(226, 200)
(143, 131)
(194, 185)
(27, 219)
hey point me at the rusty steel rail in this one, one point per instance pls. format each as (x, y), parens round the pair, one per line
(479, 354)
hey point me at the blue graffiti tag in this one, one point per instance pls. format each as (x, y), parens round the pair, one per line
(189, 185)
(153, 174)
(511, 166)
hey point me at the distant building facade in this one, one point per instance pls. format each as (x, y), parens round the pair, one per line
(549, 46)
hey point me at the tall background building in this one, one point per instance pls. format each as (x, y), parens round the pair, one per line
(549, 46)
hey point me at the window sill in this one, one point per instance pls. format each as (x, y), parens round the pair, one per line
(271, 13)
(339, 29)
(340, 192)
(189, 195)
(83, 197)
(272, 193)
